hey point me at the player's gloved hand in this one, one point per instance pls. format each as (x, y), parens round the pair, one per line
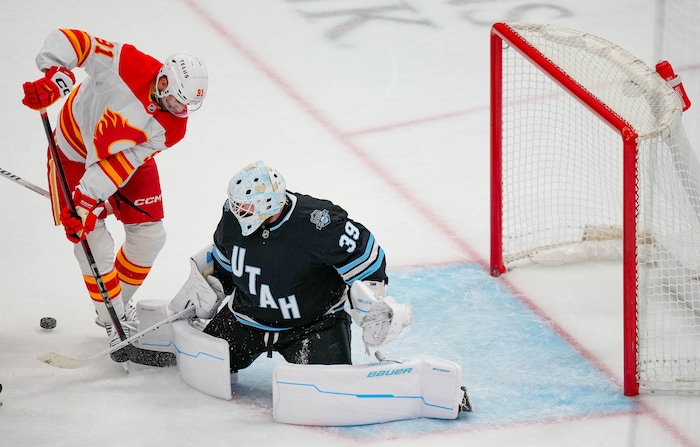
(79, 222)
(381, 318)
(72, 224)
(56, 83)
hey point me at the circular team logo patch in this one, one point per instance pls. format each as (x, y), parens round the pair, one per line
(320, 218)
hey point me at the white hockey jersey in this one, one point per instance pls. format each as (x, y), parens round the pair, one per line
(109, 121)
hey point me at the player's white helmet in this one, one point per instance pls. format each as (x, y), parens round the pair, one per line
(255, 193)
(188, 82)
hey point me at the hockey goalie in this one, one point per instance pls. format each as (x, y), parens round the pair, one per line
(289, 273)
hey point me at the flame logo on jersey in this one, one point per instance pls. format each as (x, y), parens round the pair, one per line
(114, 134)
(113, 129)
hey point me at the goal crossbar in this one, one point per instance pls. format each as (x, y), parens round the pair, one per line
(635, 104)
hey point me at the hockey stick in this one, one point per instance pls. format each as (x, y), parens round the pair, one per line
(86, 248)
(26, 184)
(62, 361)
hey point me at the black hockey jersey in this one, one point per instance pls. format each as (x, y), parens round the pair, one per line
(294, 271)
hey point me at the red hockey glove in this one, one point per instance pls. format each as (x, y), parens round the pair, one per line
(79, 222)
(56, 83)
(72, 224)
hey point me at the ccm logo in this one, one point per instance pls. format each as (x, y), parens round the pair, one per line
(63, 86)
(389, 372)
(148, 200)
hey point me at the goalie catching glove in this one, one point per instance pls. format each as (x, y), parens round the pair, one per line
(202, 290)
(381, 318)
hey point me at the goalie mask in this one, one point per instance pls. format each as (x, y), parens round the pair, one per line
(187, 84)
(255, 193)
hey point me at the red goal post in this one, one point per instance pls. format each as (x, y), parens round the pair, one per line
(589, 160)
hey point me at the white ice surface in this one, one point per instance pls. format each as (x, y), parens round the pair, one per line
(387, 117)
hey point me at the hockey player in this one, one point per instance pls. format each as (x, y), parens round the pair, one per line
(285, 259)
(110, 127)
(296, 271)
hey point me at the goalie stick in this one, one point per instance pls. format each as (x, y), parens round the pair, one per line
(62, 361)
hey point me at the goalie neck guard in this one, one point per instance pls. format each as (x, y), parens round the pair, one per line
(255, 194)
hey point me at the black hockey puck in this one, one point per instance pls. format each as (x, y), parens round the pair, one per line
(47, 323)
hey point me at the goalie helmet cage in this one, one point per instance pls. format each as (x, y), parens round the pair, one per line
(589, 159)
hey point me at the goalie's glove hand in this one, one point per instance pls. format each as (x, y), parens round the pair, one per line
(381, 318)
(385, 322)
(56, 83)
(80, 221)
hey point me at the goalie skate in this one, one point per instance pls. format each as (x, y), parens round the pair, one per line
(466, 405)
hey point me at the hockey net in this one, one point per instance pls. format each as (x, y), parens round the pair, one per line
(590, 161)
(677, 39)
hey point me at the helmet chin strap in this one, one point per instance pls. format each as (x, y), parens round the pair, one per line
(158, 101)
(154, 94)
(160, 97)
(159, 93)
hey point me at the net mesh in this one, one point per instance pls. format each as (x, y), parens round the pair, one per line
(677, 39)
(562, 185)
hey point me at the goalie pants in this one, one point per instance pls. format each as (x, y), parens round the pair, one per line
(325, 342)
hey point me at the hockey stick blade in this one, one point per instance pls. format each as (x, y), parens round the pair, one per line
(62, 361)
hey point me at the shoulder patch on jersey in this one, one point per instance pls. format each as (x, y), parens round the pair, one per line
(320, 218)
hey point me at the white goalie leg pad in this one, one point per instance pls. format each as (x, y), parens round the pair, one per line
(340, 395)
(151, 312)
(203, 360)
